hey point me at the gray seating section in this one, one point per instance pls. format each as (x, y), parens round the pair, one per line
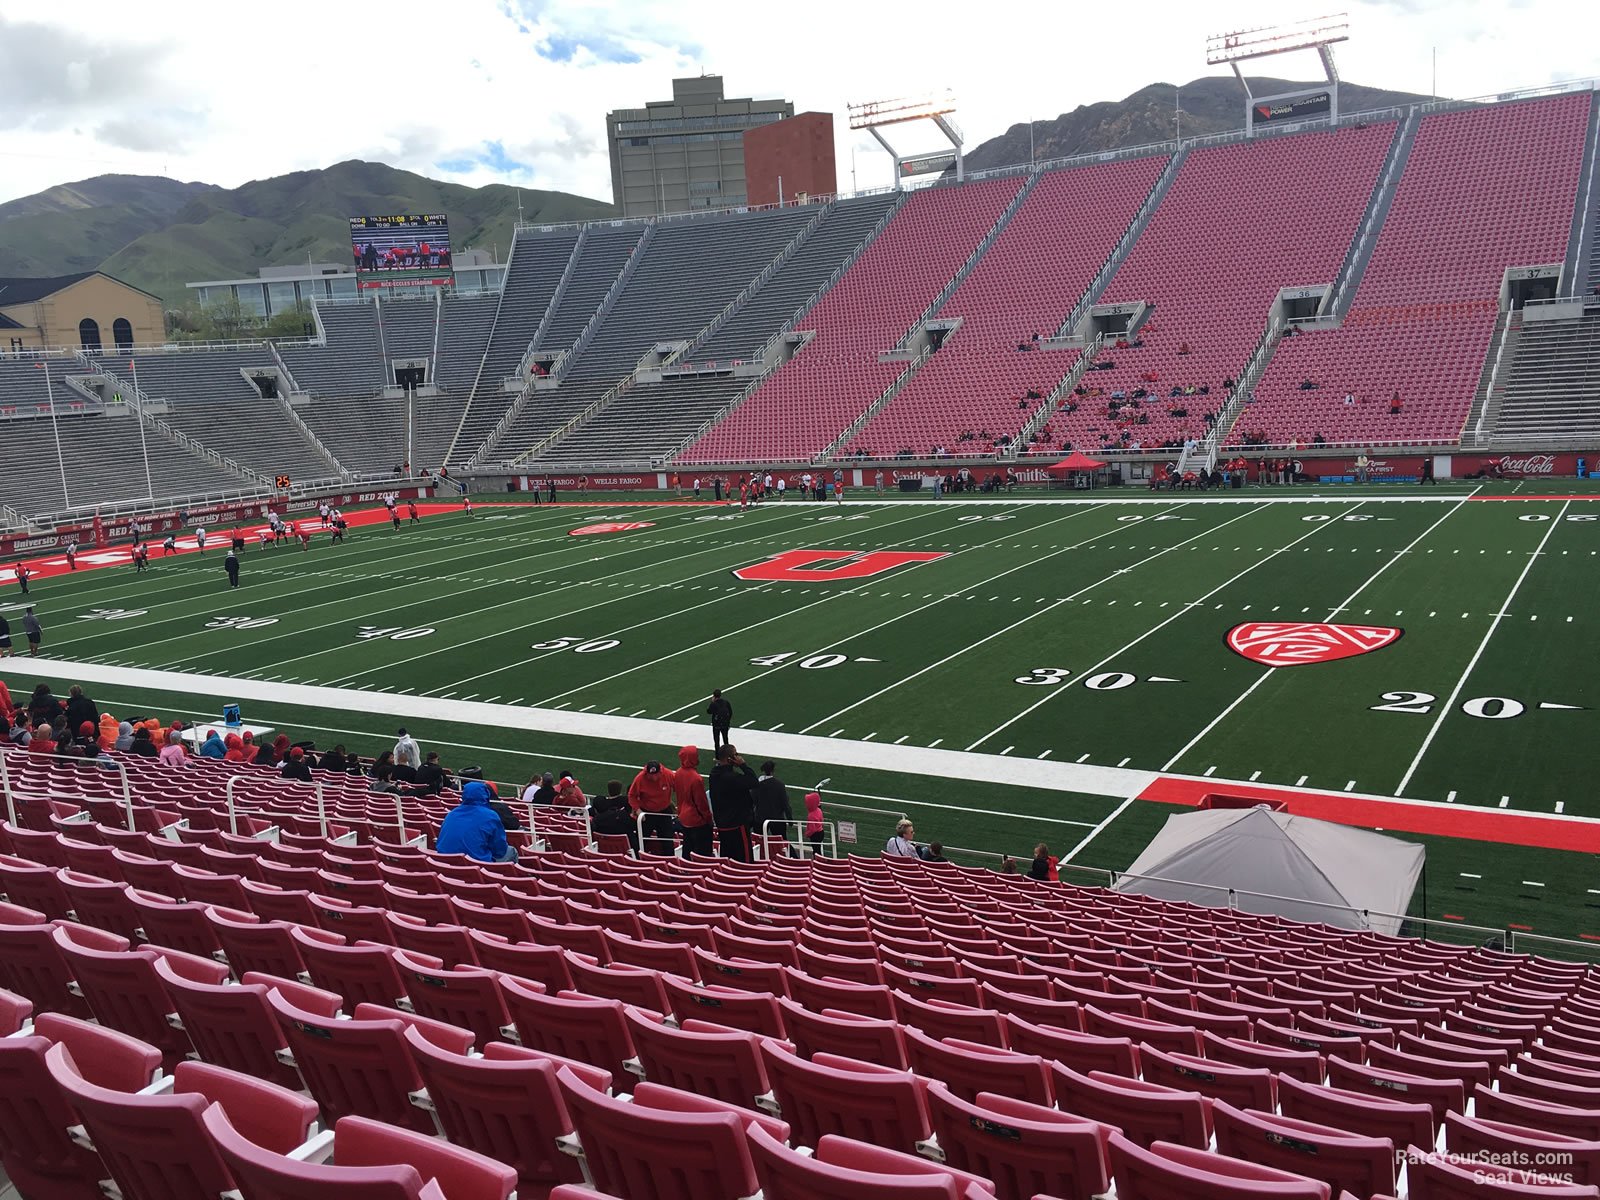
(366, 434)
(1552, 392)
(601, 258)
(408, 329)
(648, 421)
(104, 464)
(538, 260)
(769, 309)
(213, 403)
(350, 364)
(689, 272)
(645, 423)
(605, 252)
(464, 326)
(22, 379)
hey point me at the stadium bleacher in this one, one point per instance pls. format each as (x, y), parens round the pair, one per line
(210, 399)
(351, 361)
(1484, 189)
(1241, 222)
(806, 404)
(1026, 283)
(650, 420)
(685, 276)
(865, 1026)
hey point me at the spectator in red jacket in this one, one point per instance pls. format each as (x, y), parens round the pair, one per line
(694, 807)
(651, 794)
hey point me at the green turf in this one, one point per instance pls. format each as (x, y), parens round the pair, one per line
(1118, 608)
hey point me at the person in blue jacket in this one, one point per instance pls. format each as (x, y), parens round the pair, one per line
(212, 747)
(474, 829)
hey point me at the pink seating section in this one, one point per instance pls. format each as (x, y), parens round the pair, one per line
(1483, 190)
(928, 1033)
(1026, 283)
(806, 403)
(1240, 223)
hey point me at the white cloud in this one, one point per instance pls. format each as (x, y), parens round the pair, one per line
(417, 84)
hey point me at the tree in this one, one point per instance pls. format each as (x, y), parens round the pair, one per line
(295, 322)
(225, 319)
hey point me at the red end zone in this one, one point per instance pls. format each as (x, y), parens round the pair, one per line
(1396, 816)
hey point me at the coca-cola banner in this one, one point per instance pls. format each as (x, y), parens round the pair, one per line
(1517, 465)
(1521, 465)
(120, 528)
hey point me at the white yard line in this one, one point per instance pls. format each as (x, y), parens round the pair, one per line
(876, 756)
(1373, 578)
(1449, 705)
(1182, 611)
(1038, 612)
(906, 613)
(346, 618)
(1097, 830)
(727, 595)
(356, 556)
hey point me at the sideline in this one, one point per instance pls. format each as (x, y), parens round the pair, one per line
(1522, 828)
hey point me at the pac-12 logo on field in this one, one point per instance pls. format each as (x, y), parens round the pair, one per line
(803, 566)
(610, 527)
(1301, 643)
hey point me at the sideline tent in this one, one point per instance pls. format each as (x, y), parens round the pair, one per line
(1076, 461)
(1078, 464)
(1301, 863)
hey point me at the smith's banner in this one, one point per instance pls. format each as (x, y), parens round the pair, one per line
(1293, 108)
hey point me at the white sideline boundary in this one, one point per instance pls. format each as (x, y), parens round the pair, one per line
(1119, 783)
(1043, 775)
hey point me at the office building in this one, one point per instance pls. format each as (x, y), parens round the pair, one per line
(685, 153)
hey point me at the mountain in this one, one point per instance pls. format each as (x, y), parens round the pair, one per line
(76, 226)
(1212, 104)
(159, 234)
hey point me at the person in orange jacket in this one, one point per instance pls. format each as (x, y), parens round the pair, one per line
(651, 794)
(694, 806)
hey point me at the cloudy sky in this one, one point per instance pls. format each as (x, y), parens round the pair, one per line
(516, 91)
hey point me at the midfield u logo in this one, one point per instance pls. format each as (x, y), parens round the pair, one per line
(1301, 643)
(801, 566)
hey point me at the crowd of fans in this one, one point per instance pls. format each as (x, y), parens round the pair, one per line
(729, 811)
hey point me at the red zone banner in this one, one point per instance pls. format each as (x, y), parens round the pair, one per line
(1304, 643)
(209, 515)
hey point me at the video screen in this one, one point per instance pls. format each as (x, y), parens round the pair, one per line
(406, 242)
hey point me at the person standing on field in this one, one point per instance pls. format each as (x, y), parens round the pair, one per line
(721, 713)
(230, 563)
(22, 574)
(72, 555)
(5, 638)
(33, 631)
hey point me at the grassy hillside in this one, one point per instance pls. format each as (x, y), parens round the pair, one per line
(160, 235)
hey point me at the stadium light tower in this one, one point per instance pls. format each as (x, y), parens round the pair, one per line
(874, 115)
(1316, 33)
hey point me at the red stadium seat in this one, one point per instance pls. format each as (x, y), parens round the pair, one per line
(373, 1161)
(1167, 1172)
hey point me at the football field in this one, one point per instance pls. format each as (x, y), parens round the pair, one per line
(1004, 668)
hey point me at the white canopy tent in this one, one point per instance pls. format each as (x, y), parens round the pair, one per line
(1272, 862)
